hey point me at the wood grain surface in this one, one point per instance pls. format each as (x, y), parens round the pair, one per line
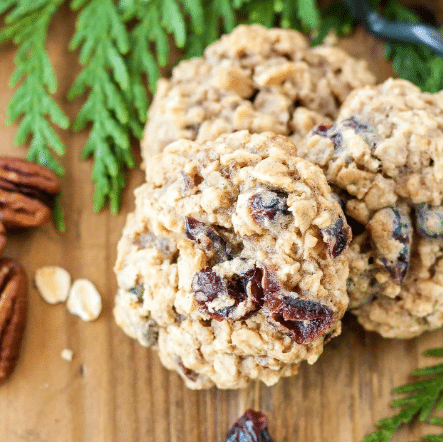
(116, 390)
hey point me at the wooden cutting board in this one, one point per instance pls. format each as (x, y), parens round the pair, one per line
(116, 390)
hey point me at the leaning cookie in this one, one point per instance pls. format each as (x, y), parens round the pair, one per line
(256, 79)
(234, 263)
(385, 158)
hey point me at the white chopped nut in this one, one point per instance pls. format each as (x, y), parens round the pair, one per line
(67, 354)
(53, 283)
(84, 300)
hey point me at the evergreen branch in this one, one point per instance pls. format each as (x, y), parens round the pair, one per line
(27, 26)
(113, 78)
(426, 397)
(36, 79)
(103, 40)
(335, 18)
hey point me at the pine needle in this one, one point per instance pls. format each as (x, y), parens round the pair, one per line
(423, 398)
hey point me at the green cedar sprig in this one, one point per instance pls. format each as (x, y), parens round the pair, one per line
(27, 25)
(103, 40)
(422, 398)
(337, 19)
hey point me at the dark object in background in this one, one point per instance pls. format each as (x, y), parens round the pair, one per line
(395, 31)
(251, 427)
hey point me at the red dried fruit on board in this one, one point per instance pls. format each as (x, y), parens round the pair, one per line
(251, 427)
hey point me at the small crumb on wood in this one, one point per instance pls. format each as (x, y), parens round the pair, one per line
(67, 354)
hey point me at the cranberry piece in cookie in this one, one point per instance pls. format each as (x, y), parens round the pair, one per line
(391, 233)
(337, 237)
(206, 238)
(232, 298)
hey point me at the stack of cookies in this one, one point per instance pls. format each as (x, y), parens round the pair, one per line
(282, 188)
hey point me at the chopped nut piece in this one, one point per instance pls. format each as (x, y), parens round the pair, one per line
(67, 354)
(84, 300)
(2, 237)
(53, 283)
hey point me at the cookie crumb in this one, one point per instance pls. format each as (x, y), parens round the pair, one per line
(84, 300)
(53, 283)
(67, 354)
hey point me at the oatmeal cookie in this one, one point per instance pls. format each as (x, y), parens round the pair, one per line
(384, 157)
(234, 262)
(253, 79)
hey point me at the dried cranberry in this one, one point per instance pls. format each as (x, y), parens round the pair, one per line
(238, 297)
(270, 283)
(185, 371)
(251, 427)
(336, 237)
(329, 131)
(187, 183)
(207, 238)
(356, 125)
(322, 130)
(138, 290)
(304, 320)
(267, 205)
(400, 228)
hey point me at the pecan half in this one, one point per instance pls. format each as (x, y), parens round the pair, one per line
(2, 237)
(27, 192)
(13, 313)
